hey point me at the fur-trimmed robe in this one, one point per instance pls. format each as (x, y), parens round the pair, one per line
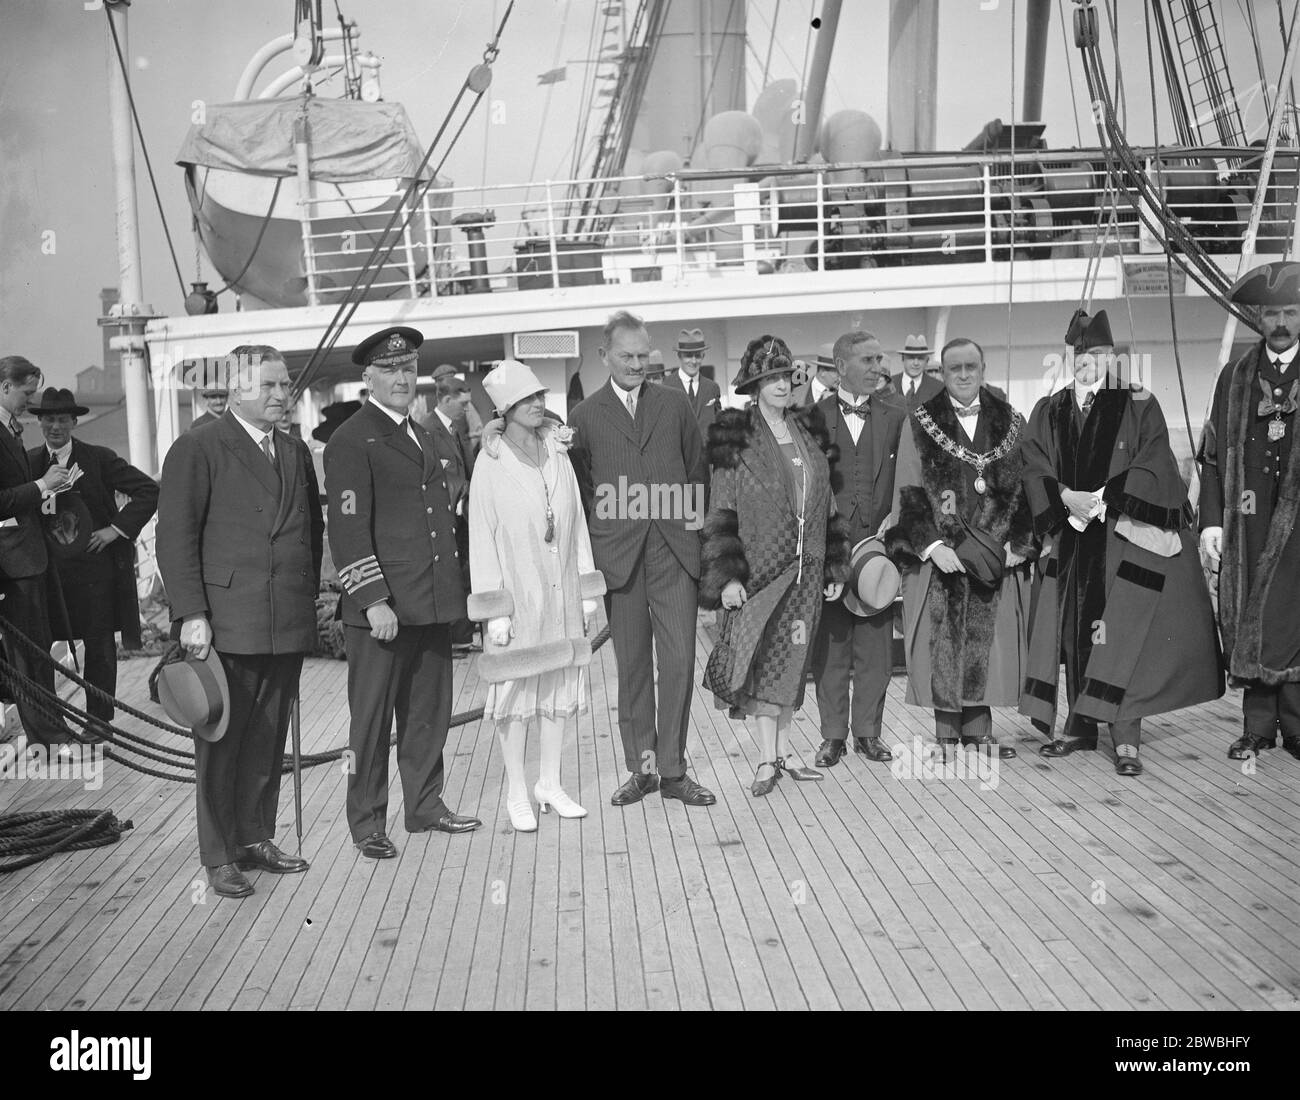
(751, 536)
(1259, 574)
(1144, 640)
(965, 642)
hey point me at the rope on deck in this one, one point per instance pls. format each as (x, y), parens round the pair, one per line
(35, 836)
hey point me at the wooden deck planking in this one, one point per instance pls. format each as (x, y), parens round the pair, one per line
(862, 891)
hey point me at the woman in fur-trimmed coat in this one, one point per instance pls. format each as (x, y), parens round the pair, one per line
(771, 481)
(965, 638)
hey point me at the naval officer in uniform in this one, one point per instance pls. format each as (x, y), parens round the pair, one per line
(392, 534)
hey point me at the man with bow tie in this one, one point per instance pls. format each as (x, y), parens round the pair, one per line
(853, 655)
(1119, 595)
(392, 535)
(97, 572)
(1250, 485)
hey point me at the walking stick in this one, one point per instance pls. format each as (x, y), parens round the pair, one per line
(296, 726)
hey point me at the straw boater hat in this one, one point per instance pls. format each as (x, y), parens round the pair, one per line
(916, 345)
(196, 694)
(874, 582)
(763, 358)
(508, 383)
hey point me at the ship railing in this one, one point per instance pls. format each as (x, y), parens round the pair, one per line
(909, 211)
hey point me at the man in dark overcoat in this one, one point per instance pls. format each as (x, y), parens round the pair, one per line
(912, 383)
(1119, 596)
(450, 436)
(98, 579)
(637, 443)
(392, 535)
(853, 655)
(1250, 491)
(24, 559)
(239, 548)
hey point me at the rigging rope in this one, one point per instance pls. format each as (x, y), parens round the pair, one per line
(144, 149)
(1074, 103)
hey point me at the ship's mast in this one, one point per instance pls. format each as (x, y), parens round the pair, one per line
(913, 75)
(816, 88)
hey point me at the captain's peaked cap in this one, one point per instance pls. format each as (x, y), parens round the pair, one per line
(1275, 284)
(388, 348)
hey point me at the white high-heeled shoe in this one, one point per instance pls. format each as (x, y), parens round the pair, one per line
(521, 814)
(562, 803)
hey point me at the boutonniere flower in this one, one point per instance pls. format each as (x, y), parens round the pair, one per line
(564, 436)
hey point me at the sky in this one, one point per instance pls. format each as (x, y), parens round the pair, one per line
(57, 205)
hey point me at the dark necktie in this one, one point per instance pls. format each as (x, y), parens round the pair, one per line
(268, 449)
(15, 427)
(911, 388)
(862, 409)
(1087, 403)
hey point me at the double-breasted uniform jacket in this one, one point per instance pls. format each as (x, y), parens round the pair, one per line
(239, 542)
(383, 547)
(707, 402)
(100, 587)
(862, 478)
(752, 536)
(965, 642)
(662, 448)
(1250, 486)
(1135, 579)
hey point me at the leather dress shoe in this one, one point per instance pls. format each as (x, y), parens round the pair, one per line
(1007, 752)
(265, 856)
(988, 743)
(638, 785)
(1060, 747)
(761, 787)
(1128, 766)
(829, 753)
(452, 823)
(1291, 745)
(873, 749)
(800, 774)
(1246, 745)
(685, 789)
(376, 846)
(228, 882)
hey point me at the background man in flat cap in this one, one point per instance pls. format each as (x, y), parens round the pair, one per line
(913, 384)
(98, 581)
(647, 436)
(703, 392)
(1119, 594)
(24, 560)
(214, 401)
(392, 535)
(239, 548)
(1250, 486)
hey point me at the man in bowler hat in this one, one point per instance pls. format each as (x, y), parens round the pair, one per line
(97, 574)
(392, 535)
(239, 548)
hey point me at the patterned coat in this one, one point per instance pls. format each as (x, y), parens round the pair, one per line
(751, 536)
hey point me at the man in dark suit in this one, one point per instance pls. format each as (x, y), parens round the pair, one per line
(913, 383)
(215, 399)
(865, 419)
(448, 427)
(24, 599)
(392, 533)
(818, 378)
(636, 439)
(98, 577)
(703, 393)
(239, 548)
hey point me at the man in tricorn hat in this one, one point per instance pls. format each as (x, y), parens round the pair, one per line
(962, 536)
(912, 382)
(97, 570)
(1120, 598)
(1250, 485)
(703, 392)
(392, 535)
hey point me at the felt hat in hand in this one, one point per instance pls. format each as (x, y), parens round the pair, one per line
(874, 581)
(196, 694)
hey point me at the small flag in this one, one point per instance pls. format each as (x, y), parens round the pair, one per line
(551, 76)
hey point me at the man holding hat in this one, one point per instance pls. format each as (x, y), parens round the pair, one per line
(392, 535)
(962, 536)
(913, 383)
(703, 393)
(1119, 597)
(239, 548)
(93, 540)
(1250, 486)
(644, 439)
(853, 653)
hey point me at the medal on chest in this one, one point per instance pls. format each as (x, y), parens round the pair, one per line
(980, 484)
(1276, 429)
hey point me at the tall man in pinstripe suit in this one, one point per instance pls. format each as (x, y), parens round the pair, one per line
(636, 443)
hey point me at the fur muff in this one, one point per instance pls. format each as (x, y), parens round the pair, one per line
(838, 550)
(482, 606)
(500, 664)
(722, 556)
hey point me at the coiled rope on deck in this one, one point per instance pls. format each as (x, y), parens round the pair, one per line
(35, 836)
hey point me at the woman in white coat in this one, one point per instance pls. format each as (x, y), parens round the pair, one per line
(534, 587)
